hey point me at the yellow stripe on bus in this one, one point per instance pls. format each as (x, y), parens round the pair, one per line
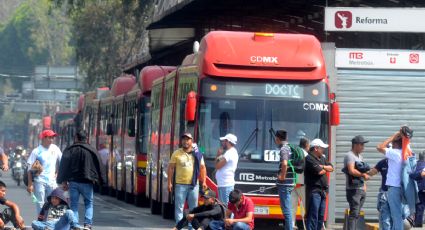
(142, 164)
(275, 210)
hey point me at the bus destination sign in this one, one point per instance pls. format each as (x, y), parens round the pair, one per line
(265, 90)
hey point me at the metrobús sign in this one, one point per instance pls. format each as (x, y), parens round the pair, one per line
(374, 19)
(380, 59)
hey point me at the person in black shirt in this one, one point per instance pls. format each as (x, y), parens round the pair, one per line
(201, 216)
(316, 184)
(382, 206)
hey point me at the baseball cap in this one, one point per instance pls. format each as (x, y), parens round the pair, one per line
(359, 140)
(188, 135)
(47, 133)
(230, 137)
(208, 194)
(318, 143)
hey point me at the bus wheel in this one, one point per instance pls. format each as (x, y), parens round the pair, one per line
(167, 211)
(120, 195)
(129, 198)
(155, 207)
(140, 200)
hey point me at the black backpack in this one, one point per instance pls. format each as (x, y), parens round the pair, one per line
(297, 159)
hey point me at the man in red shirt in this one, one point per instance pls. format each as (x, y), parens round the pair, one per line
(242, 209)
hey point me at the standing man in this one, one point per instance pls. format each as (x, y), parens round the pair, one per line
(4, 160)
(79, 170)
(382, 206)
(226, 163)
(393, 154)
(316, 182)
(188, 165)
(285, 178)
(48, 155)
(355, 186)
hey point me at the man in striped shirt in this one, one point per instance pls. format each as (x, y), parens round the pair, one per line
(285, 178)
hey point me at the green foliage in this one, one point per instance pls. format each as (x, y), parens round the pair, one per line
(36, 34)
(107, 34)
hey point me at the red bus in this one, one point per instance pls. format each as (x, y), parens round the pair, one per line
(121, 123)
(248, 84)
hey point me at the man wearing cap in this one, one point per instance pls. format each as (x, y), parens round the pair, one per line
(188, 165)
(201, 216)
(355, 186)
(394, 193)
(285, 178)
(48, 155)
(226, 163)
(316, 182)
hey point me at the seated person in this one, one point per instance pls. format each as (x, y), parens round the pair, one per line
(242, 209)
(56, 214)
(201, 216)
(11, 213)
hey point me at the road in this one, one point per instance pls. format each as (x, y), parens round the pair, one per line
(109, 213)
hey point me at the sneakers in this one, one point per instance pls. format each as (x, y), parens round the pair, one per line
(86, 227)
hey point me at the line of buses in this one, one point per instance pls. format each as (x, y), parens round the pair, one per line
(244, 83)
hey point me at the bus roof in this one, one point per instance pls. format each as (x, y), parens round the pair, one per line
(123, 84)
(261, 55)
(150, 73)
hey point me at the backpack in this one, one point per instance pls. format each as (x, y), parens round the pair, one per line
(297, 159)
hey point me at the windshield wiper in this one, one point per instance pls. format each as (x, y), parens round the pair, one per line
(248, 141)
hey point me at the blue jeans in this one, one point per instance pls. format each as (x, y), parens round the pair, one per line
(223, 194)
(41, 192)
(86, 190)
(394, 202)
(219, 225)
(183, 192)
(384, 211)
(316, 211)
(420, 208)
(66, 222)
(286, 204)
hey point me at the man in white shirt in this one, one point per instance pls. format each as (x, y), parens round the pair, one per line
(49, 155)
(393, 154)
(226, 163)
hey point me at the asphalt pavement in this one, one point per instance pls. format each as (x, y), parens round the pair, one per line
(109, 213)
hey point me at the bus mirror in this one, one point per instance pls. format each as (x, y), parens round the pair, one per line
(131, 127)
(109, 130)
(335, 114)
(190, 106)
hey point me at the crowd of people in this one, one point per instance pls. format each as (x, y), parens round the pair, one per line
(80, 166)
(403, 182)
(76, 171)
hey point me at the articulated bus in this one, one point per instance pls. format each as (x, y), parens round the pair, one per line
(120, 121)
(248, 84)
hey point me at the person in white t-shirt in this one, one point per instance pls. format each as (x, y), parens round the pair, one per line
(393, 154)
(226, 163)
(49, 156)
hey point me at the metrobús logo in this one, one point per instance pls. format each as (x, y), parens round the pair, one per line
(343, 19)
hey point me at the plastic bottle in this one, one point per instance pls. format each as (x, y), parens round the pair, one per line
(34, 198)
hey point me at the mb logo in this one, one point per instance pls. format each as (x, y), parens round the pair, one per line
(343, 19)
(246, 176)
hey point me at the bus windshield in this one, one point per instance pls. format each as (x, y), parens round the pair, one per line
(254, 118)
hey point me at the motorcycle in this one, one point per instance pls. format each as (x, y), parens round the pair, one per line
(18, 164)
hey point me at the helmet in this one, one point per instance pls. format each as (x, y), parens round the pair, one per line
(19, 148)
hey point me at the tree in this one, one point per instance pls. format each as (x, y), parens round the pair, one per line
(107, 34)
(36, 34)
